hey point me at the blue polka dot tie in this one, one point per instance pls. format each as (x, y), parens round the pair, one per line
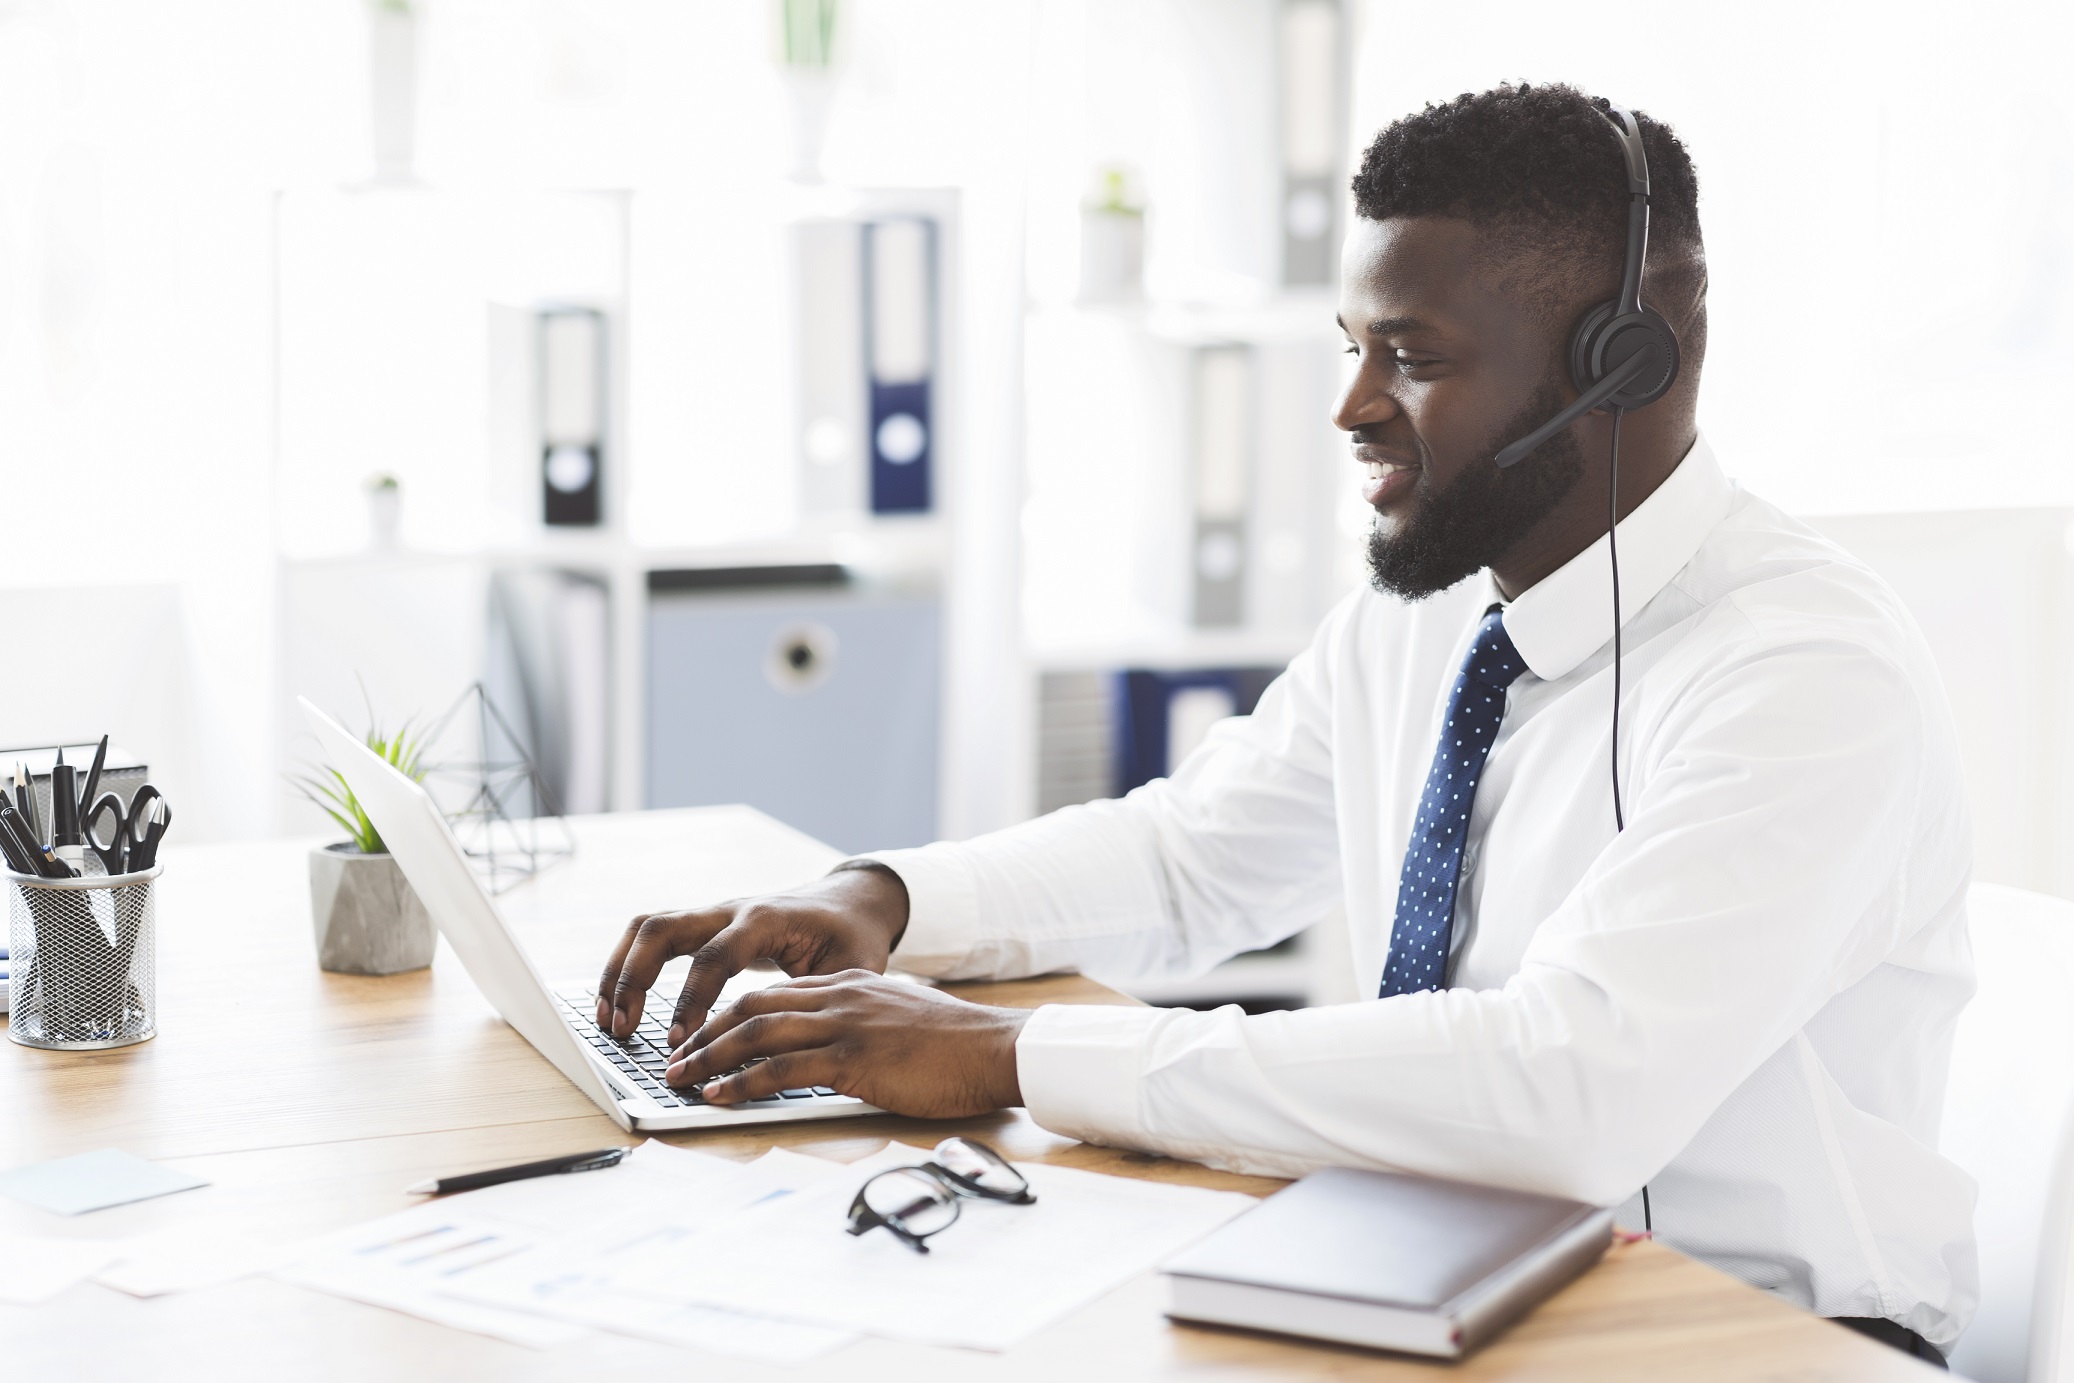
(1433, 859)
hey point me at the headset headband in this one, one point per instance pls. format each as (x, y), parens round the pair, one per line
(1638, 207)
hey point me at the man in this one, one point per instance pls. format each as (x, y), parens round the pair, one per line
(1739, 1006)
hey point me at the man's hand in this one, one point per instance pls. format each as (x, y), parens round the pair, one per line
(899, 1046)
(850, 919)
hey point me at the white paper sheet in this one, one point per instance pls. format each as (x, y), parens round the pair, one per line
(33, 1268)
(93, 1181)
(998, 1275)
(402, 1260)
(732, 1333)
(499, 1261)
(189, 1256)
(575, 1287)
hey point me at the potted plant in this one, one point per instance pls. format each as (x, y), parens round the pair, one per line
(368, 920)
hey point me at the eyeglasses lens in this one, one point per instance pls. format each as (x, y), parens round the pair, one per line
(917, 1202)
(981, 1166)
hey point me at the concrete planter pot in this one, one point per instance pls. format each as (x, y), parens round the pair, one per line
(368, 920)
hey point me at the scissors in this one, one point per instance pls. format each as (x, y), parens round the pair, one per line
(134, 844)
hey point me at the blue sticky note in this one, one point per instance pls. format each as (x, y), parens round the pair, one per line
(92, 1181)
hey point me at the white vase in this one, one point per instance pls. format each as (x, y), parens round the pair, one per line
(384, 516)
(810, 93)
(1112, 255)
(368, 920)
(392, 90)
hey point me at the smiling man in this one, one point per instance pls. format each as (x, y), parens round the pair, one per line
(1731, 1016)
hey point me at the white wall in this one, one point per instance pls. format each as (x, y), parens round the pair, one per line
(53, 699)
(1993, 591)
(137, 142)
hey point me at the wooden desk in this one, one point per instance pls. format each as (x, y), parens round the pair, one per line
(309, 1100)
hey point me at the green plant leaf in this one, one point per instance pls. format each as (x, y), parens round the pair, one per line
(403, 749)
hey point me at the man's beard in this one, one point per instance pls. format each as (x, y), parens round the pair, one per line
(1455, 532)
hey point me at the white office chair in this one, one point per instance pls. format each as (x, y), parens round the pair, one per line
(2007, 1122)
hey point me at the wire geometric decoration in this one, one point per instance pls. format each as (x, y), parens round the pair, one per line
(509, 813)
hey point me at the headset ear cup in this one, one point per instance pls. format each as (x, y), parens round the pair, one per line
(1604, 340)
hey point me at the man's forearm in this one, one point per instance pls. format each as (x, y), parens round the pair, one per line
(1101, 888)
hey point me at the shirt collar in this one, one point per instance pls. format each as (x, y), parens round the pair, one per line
(1561, 620)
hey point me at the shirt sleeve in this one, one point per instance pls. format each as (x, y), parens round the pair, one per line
(1236, 850)
(1757, 877)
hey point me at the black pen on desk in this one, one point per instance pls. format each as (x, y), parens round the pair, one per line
(553, 1166)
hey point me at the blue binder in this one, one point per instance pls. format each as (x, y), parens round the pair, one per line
(900, 346)
(1142, 704)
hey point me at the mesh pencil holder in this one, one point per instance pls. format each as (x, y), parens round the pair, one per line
(83, 960)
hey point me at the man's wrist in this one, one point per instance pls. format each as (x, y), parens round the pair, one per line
(1006, 1085)
(894, 892)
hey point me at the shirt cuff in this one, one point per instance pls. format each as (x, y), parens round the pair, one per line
(942, 907)
(1082, 1069)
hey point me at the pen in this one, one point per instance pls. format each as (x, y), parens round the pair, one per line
(25, 798)
(41, 859)
(93, 776)
(26, 857)
(64, 815)
(475, 1181)
(16, 849)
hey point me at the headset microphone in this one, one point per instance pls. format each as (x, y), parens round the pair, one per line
(1592, 398)
(1622, 356)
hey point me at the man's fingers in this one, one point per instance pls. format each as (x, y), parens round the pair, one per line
(765, 1035)
(608, 980)
(789, 996)
(822, 981)
(800, 1070)
(652, 942)
(742, 942)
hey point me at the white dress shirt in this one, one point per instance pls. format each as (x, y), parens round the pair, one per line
(1745, 1001)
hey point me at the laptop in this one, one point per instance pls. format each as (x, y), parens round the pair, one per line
(624, 1079)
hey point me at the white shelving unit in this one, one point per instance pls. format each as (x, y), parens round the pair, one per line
(406, 371)
(1191, 509)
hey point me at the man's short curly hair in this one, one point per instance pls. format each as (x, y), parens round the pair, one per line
(1541, 167)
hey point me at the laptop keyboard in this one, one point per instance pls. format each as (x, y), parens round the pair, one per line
(645, 1055)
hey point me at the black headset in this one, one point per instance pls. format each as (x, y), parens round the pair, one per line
(1622, 355)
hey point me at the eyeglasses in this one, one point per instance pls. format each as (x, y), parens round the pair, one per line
(918, 1202)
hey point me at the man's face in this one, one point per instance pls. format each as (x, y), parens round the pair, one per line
(1451, 369)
